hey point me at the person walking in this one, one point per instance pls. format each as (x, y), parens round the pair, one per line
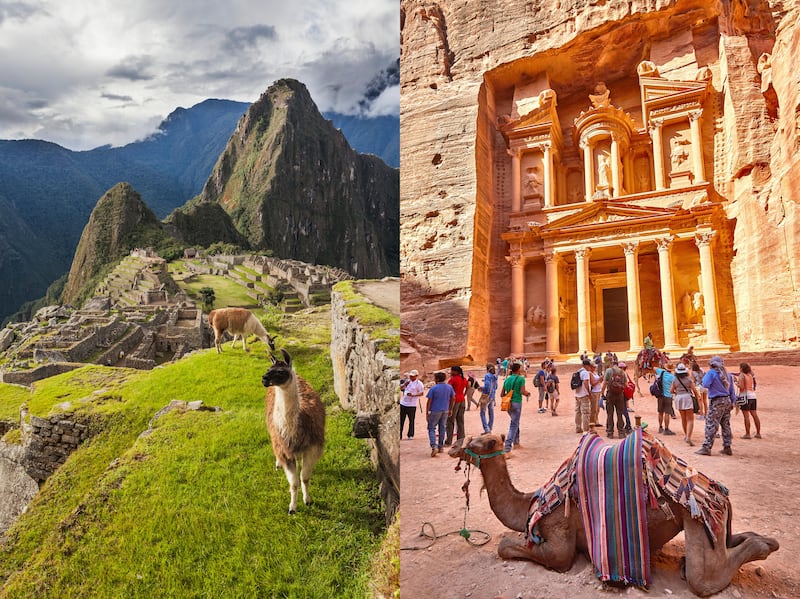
(613, 388)
(456, 418)
(552, 389)
(515, 383)
(539, 383)
(702, 392)
(439, 406)
(595, 386)
(630, 387)
(684, 395)
(412, 393)
(583, 404)
(472, 386)
(747, 387)
(722, 396)
(487, 398)
(665, 409)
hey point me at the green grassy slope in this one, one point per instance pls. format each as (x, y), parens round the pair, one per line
(197, 508)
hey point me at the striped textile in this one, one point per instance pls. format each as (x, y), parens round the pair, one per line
(549, 497)
(612, 499)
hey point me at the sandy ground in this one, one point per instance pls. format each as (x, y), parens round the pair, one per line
(762, 476)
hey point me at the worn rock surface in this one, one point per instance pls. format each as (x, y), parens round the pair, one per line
(450, 242)
(17, 488)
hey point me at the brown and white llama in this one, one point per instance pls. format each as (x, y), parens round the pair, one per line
(296, 424)
(239, 322)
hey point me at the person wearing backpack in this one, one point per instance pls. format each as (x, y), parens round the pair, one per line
(583, 406)
(539, 383)
(516, 383)
(552, 390)
(614, 391)
(487, 398)
(665, 378)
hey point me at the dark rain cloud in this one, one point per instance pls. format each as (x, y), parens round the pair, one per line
(133, 68)
(243, 38)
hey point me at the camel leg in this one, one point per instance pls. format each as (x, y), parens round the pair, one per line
(711, 569)
(558, 554)
(290, 468)
(310, 458)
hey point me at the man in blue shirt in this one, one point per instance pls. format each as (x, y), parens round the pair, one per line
(721, 397)
(438, 408)
(665, 401)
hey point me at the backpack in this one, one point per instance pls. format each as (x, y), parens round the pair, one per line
(617, 382)
(575, 381)
(550, 386)
(656, 389)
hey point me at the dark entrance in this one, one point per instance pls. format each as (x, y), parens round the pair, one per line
(615, 314)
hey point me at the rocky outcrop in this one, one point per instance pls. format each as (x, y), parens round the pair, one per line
(292, 184)
(119, 222)
(367, 382)
(459, 57)
(17, 487)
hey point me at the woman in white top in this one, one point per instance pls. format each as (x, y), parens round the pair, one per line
(683, 390)
(747, 387)
(596, 386)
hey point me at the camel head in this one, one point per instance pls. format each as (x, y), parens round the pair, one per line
(484, 445)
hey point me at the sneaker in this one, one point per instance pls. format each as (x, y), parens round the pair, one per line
(578, 431)
(517, 446)
(611, 435)
(441, 449)
(758, 435)
(689, 443)
(703, 451)
(433, 452)
(660, 430)
(555, 413)
(542, 410)
(668, 432)
(726, 451)
(746, 437)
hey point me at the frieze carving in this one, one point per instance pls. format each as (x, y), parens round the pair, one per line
(668, 110)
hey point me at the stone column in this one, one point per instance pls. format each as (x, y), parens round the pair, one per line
(552, 346)
(703, 241)
(616, 170)
(667, 299)
(517, 303)
(588, 172)
(584, 322)
(516, 180)
(631, 250)
(658, 152)
(548, 175)
(697, 146)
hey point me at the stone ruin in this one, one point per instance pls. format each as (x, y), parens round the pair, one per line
(134, 321)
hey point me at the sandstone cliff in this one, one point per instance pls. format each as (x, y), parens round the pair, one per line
(292, 184)
(455, 56)
(119, 222)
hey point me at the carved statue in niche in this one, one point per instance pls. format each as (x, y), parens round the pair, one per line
(679, 154)
(642, 167)
(699, 306)
(601, 96)
(603, 171)
(688, 307)
(536, 317)
(533, 182)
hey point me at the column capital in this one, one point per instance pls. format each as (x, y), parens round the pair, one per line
(630, 248)
(582, 253)
(551, 257)
(703, 238)
(584, 144)
(664, 243)
(516, 259)
(654, 124)
(514, 152)
(694, 115)
(544, 146)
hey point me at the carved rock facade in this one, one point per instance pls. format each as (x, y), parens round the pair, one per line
(574, 178)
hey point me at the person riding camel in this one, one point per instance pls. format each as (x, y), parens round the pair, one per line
(649, 350)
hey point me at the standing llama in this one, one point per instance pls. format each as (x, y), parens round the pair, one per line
(296, 424)
(239, 322)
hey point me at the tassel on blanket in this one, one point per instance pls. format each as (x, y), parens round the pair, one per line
(694, 508)
(667, 511)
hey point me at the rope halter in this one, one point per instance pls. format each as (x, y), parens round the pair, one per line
(477, 457)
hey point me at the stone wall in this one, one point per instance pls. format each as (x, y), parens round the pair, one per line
(367, 382)
(28, 377)
(48, 442)
(451, 220)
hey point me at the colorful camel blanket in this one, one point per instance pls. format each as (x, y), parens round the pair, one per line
(613, 487)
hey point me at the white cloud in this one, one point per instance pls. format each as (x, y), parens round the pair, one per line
(86, 74)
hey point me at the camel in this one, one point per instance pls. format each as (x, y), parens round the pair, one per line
(708, 567)
(648, 373)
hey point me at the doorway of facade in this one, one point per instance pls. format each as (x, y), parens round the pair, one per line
(615, 315)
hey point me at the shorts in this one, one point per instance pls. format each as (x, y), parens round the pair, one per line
(751, 402)
(683, 401)
(664, 405)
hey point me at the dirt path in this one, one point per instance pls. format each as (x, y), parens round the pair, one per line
(762, 476)
(385, 294)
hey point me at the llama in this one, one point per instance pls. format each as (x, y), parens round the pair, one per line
(239, 322)
(296, 424)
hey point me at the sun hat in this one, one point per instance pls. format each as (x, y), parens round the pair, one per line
(681, 369)
(413, 373)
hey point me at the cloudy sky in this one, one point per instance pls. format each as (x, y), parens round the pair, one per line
(86, 73)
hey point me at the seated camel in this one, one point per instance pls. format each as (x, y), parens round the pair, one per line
(670, 495)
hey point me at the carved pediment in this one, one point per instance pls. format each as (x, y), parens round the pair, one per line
(600, 213)
(664, 96)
